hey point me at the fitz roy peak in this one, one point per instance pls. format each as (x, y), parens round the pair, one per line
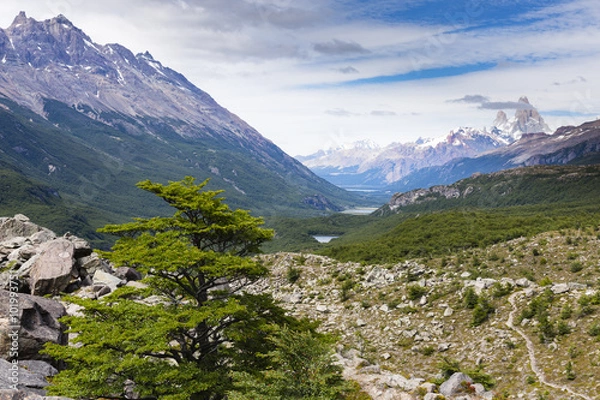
(378, 167)
(91, 120)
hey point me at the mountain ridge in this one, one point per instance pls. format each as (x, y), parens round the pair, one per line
(567, 145)
(378, 167)
(117, 118)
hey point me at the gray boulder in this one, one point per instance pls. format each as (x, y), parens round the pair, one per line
(53, 269)
(90, 264)
(102, 278)
(456, 384)
(36, 322)
(129, 274)
(12, 376)
(18, 226)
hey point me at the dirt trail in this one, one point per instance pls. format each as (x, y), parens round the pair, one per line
(531, 351)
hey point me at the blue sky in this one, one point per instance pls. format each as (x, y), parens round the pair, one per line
(312, 74)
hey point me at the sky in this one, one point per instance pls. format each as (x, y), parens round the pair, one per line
(316, 74)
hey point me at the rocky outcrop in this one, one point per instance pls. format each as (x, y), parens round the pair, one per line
(34, 263)
(33, 321)
(419, 196)
(43, 264)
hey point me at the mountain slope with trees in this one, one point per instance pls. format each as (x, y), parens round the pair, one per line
(91, 120)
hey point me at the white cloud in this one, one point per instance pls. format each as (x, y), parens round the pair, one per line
(279, 64)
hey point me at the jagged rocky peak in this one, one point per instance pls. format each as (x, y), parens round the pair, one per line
(524, 99)
(529, 120)
(40, 43)
(526, 120)
(20, 19)
(501, 118)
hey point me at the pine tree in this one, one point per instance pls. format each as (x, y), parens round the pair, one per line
(182, 337)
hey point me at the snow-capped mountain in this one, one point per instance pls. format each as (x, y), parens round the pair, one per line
(361, 166)
(116, 117)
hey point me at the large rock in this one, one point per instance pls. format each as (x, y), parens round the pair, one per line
(13, 376)
(53, 269)
(456, 384)
(19, 226)
(35, 322)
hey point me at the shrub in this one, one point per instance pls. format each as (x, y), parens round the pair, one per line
(293, 274)
(470, 298)
(415, 292)
(576, 267)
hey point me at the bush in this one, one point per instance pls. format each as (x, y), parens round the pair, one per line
(293, 274)
(415, 292)
(482, 311)
(470, 298)
(576, 267)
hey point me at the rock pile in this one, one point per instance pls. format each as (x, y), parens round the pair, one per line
(35, 262)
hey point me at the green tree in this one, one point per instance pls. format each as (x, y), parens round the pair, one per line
(303, 369)
(182, 336)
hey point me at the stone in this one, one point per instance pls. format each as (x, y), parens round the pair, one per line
(371, 369)
(18, 226)
(37, 322)
(560, 288)
(448, 312)
(52, 271)
(42, 236)
(443, 347)
(102, 278)
(523, 282)
(429, 387)
(81, 247)
(131, 274)
(322, 308)
(454, 385)
(88, 265)
(24, 378)
(39, 367)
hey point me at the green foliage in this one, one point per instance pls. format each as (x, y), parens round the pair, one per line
(470, 298)
(415, 291)
(594, 330)
(501, 290)
(449, 366)
(481, 311)
(570, 375)
(203, 327)
(293, 274)
(303, 369)
(445, 232)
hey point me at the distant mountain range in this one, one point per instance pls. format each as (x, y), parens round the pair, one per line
(367, 166)
(577, 145)
(88, 121)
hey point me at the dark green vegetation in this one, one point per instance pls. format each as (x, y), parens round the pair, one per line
(44, 205)
(204, 338)
(92, 161)
(499, 207)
